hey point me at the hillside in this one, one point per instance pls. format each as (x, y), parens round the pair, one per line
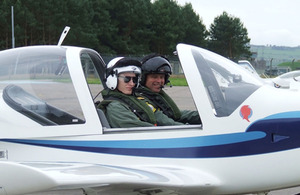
(280, 54)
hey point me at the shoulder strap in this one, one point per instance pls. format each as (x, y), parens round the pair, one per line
(162, 101)
(103, 104)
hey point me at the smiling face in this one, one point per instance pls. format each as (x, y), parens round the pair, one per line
(155, 82)
(124, 87)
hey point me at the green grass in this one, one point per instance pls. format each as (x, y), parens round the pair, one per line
(178, 80)
(93, 81)
(294, 66)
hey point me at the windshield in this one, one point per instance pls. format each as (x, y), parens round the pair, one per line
(227, 84)
(35, 81)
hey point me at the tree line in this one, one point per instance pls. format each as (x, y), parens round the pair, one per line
(120, 27)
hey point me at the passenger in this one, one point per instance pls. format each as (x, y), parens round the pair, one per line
(121, 107)
(156, 70)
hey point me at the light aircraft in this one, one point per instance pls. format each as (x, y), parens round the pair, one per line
(289, 80)
(53, 137)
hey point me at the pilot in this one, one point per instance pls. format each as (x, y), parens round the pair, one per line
(156, 70)
(120, 105)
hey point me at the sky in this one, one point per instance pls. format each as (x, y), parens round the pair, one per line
(268, 22)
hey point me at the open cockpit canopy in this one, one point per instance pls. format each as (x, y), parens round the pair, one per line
(36, 82)
(226, 84)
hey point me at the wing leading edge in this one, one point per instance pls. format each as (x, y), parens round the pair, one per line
(20, 178)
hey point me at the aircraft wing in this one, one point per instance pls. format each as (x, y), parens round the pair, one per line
(21, 178)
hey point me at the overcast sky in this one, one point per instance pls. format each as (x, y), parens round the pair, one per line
(269, 22)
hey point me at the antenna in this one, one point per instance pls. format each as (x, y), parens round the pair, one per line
(63, 35)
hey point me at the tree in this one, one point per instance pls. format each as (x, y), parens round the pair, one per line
(5, 24)
(165, 24)
(116, 27)
(228, 37)
(130, 20)
(103, 26)
(194, 30)
(78, 15)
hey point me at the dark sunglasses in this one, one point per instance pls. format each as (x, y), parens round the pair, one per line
(127, 79)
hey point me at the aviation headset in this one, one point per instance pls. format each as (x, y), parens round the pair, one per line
(155, 64)
(119, 65)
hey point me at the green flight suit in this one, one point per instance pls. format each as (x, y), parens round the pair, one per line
(124, 111)
(161, 101)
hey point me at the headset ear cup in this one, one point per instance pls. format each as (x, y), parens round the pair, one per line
(112, 82)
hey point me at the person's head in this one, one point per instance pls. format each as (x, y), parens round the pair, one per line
(123, 74)
(156, 70)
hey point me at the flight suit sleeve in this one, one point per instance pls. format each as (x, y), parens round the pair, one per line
(163, 120)
(190, 117)
(119, 115)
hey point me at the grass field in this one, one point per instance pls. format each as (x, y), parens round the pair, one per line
(178, 80)
(293, 66)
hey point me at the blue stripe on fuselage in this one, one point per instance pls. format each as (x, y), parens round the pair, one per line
(190, 147)
(271, 134)
(188, 142)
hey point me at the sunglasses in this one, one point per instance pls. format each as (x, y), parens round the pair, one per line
(127, 79)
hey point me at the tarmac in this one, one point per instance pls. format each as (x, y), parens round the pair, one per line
(184, 100)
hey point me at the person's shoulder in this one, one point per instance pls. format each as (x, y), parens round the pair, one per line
(115, 104)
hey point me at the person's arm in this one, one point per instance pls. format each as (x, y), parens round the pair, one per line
(119, 115)
(190, 117)
(164, 120)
